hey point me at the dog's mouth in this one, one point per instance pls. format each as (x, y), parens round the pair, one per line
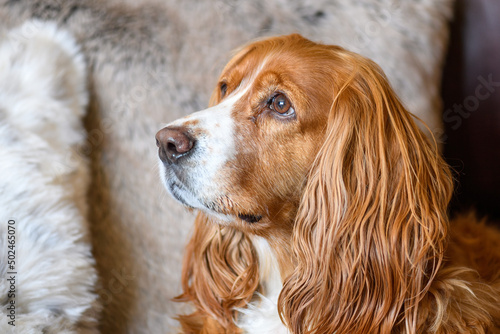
(179, 190)
(179, 193)
(189, 199)
(185, 197)
(249, 218)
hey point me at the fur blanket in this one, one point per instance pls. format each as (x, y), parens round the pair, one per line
(46, 266)
(152, 61)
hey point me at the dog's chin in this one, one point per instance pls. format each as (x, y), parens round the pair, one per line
(189, 199)
(181, 194)
(184, 195)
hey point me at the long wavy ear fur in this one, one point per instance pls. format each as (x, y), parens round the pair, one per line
(220, 273)
(371, 229)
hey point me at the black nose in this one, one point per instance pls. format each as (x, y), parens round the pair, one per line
(173, 143)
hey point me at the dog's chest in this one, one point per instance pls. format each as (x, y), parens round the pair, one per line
(261, 316)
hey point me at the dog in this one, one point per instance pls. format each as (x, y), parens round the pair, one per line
(322, 205)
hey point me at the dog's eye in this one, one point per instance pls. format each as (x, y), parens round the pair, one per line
(281, 104)
(223, 89)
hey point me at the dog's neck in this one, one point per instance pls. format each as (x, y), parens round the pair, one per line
(278, 237)
(263, 316)
(281, 248)
(271, 276)
(278, 233)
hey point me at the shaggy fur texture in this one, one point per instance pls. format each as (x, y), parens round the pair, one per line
(152, 61)
(347, 191)
(43, 182)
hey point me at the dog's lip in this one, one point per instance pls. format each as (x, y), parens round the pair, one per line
(179, 190)
(176, 189)
(250, 218)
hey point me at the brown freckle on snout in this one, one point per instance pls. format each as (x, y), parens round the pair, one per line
(192, 123)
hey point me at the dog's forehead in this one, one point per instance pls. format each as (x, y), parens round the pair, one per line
(306, 65)
(254, 57)
(245, 67)
(285, 70)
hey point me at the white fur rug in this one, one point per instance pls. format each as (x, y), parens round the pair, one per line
(46, 267)
(152, 61)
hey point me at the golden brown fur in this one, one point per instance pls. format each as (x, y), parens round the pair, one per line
(356, 212)
(221, 274)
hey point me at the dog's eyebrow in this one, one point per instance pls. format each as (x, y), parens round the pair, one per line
(240, 60)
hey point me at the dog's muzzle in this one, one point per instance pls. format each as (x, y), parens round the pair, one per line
(175, 145)
(193, 152)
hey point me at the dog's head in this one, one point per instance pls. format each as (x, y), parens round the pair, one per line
(309, 141)
(245, 159)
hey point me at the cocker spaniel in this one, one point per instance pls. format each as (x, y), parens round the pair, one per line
(322, 206)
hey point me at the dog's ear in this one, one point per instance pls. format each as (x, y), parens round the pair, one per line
(220, 273)
(372, 223)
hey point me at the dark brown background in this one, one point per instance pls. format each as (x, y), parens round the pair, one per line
(472, 138)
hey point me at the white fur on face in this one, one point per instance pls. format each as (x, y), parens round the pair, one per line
(214, 133)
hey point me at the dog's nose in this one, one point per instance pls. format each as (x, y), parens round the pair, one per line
(173, 143)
